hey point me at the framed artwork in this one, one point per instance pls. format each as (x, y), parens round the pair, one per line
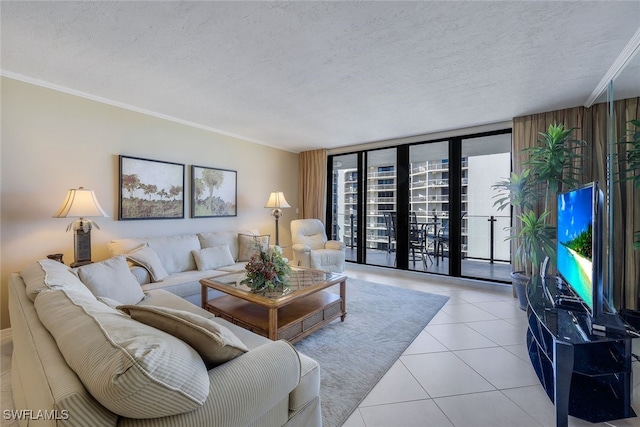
(214, 192)
(150, 189)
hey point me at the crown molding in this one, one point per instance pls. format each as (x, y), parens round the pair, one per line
(107, 101)
(618, 65)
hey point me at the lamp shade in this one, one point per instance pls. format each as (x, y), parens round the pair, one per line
(80, 203)
(277, 201)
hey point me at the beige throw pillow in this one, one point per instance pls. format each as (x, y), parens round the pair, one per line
(132, 369)
(249, 245)
(112, 279)
(213, 342)
(146, 257)
(49, 274)
(212, 258)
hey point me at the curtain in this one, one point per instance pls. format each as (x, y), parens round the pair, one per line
(312, 184)
(526, 132)
(592, 126)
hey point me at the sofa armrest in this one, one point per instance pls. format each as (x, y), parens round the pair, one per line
(264, 376)
(242, 389)
(335, 244)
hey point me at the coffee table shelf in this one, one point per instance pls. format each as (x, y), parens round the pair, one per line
(295, 321)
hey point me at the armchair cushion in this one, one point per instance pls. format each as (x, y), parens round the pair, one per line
(334, 245)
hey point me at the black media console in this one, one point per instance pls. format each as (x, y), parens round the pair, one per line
(586, 375)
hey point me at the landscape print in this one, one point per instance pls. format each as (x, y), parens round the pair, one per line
(575, 229)
(150, 189)
(213, 192)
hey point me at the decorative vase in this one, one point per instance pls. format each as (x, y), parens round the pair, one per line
(520, 281)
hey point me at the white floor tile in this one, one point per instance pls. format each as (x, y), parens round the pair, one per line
(354, 420)
(397, 385)
(490, 409)
(421, 413)
(468, 313)
(519, 350)
(459, 336)
(500, 367)
(425, 343)
(502, 309)
(444, 374)
(500, 331)
(443, 318)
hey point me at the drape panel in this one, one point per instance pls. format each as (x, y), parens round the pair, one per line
(312, 184)
(592, 126)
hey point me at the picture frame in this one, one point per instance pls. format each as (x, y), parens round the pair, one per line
(214, 192)
(150, 189)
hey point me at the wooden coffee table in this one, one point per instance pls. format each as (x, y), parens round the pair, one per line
(291, 315)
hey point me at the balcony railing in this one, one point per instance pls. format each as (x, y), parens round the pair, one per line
(483, 237)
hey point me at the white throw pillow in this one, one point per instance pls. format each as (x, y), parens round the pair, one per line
(213, 342)
(250, 245)
(112, 279)
(212, 258)
(146, 257)
(132, 369)
(49, 274)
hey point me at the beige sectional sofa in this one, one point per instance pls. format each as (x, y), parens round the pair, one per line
(155, 360)
(176, 256)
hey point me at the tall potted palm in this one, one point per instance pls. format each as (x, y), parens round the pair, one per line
(551, 164)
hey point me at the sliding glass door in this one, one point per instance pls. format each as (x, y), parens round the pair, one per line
(486, 252)
(381, 219)
(425, 206)
(429, 207)
(344, 203)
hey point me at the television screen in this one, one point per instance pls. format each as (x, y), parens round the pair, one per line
(578, 248)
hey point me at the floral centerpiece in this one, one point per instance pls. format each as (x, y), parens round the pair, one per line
(267, 270)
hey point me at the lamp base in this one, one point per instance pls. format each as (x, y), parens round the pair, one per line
(81, 247)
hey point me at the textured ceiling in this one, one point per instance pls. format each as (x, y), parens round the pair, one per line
(304, 75)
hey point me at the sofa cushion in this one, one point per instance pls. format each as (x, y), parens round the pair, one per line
(250, 245)
(146, 257)
(48, 274)
(215, 343)
(132, 369)
(173, 251)
(218, 238)
(112, 279)
(213, 258)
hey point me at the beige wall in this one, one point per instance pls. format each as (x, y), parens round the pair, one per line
(52, 141)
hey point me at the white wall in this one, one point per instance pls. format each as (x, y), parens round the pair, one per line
(53, 141)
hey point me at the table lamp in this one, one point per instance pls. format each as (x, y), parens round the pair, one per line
(81, 203)
(276, 202)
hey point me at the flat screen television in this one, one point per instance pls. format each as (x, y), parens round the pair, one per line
(580, 244)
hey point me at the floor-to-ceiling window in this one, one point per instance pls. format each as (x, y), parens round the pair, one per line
(381, 184)
(429, 207)
(486, 160)
(344, 202)
(425, 206)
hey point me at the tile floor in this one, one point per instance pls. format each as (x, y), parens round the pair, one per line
(469, 367)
